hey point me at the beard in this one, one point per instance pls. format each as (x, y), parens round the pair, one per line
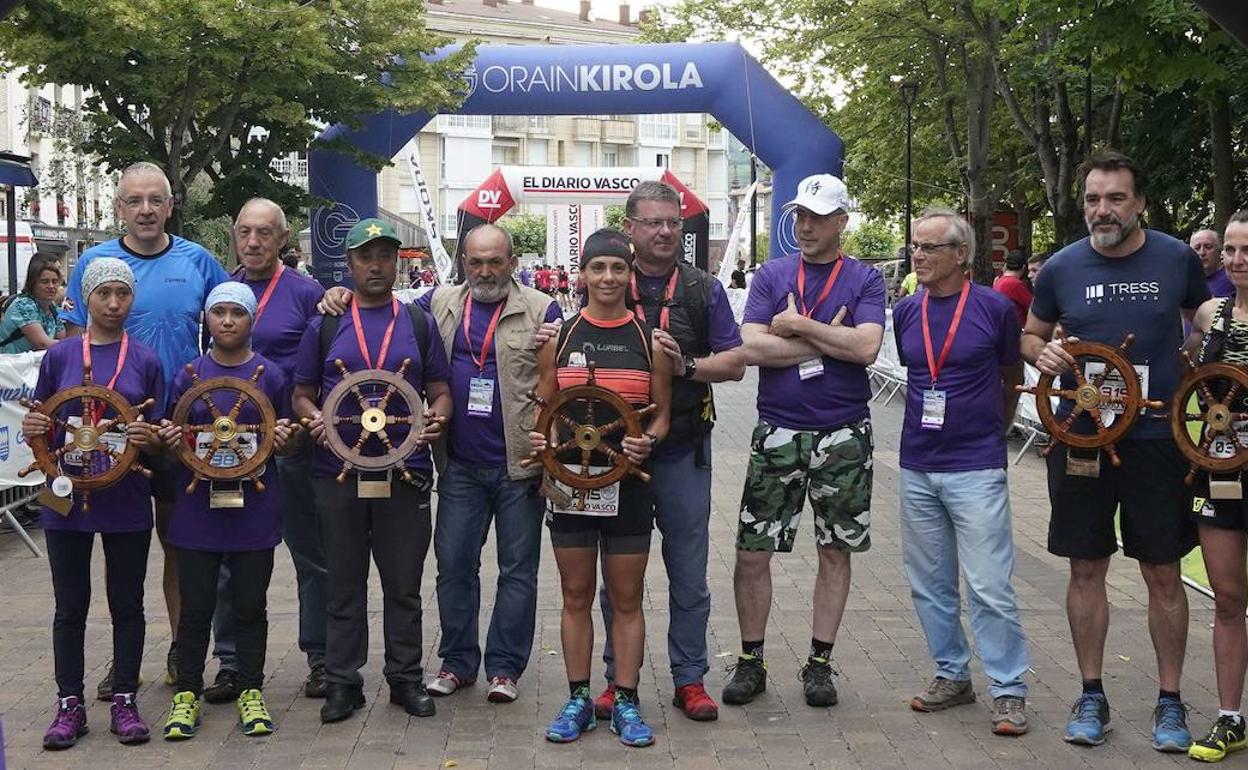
(1110, 240)
(489, 292)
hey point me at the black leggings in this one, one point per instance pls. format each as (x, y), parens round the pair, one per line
(125, 568)
(250, 572)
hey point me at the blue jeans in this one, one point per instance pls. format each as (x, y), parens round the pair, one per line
(469, 498)
(301, 529)
(963, 518)
(682, 509)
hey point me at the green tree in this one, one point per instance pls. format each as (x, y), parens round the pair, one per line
(873, 240)
(528, 232)
(214, 89)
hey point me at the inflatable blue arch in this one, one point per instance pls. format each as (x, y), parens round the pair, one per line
(716, 78)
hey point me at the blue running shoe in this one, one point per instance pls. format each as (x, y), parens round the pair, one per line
(577, 717)
(1089, 720)
(1170, 731)
(626, 722)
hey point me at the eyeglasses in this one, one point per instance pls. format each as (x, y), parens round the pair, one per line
(136, 203)
(657, 224)
(929, 247)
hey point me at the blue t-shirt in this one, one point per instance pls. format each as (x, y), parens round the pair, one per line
(1102, 299)
(169, 293)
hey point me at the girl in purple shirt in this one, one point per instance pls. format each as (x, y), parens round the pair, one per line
(121, 514)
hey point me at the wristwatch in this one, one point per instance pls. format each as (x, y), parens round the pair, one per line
(691, 366)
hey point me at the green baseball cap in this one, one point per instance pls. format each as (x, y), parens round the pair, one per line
(371, 229)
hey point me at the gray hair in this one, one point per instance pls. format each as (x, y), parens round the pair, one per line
(1217, 237)
(1240, 217)
(491, 228)
(281, 215)
(651, 191)
(958, 231)
(142, 168)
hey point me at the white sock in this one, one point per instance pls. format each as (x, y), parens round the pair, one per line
(1228, 713)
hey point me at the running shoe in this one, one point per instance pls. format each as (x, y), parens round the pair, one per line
(577, 717)
(605, 702)
(1170, 733)
(817, 684)
(171, 664)
(942, 693)
(446, 683)
(503, 689)
(104, 690)
(1089, 720)
(183, 721)
(69, 724)
(749, 679)
(224, 688)
(1226, 735)
(626, 722)
(1009, 715)
(126, 722)
(253, 715)
(696, 703)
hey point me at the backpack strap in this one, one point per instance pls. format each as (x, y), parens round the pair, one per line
(415, 313)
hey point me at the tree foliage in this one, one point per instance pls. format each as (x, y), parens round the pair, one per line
(528, 232)
(214, 89)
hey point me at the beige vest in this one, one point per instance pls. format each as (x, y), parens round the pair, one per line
(515, 357)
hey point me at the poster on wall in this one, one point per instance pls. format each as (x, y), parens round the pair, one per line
(567, 227)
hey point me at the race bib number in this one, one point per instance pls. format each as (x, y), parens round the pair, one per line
(99, 461)
(246, 443)
(598, 502)
(1115, 387)
(1223, 446)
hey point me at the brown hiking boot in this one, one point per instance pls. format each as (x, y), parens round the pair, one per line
(942, 694)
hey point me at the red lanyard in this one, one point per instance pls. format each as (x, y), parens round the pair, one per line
(268, 293)
(385, 340)
(933, 365)
(98, 411)
(827, 287)
(668, 293)
(489, 333)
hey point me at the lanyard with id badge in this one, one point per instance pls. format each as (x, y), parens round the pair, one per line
(933, 398)
(480, 388)
(812, 368)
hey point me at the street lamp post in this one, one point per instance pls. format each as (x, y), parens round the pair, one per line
(909, 92)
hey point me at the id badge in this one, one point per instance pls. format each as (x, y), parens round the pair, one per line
(480, 397)
(933, 410)
(604, 502)
(810, 369)
(1114, 387)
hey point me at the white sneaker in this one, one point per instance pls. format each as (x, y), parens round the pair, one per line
(502, 690)
(446, 683)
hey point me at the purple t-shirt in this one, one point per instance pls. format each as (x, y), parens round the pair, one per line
(973, 436)
(479, 440)
(312, 369)
(839, 396)
(127, 505)
(292, 305)
(1220, 284)
(257, 525)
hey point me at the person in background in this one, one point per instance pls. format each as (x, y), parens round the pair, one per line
(738, 276)
(1208, 246)
(1014, 286)
(1034, 263)
(31, 321)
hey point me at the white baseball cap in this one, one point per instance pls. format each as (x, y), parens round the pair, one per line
(821, 194)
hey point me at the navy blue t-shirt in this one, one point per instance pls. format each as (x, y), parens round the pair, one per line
(1102, 299)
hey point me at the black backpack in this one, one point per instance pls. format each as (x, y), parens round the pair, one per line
(416, 313)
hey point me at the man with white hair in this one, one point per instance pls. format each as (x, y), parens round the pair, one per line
(959, 343)
(813, 324)
(176, 276)
(1208, 246)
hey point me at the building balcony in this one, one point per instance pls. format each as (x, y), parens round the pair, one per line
(521, 124)
(693, 134)
(587, 130)
(619, 131)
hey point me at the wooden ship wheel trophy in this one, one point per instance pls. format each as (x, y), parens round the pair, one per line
(375, 417)
(96, 453)
(1215, 395)
(586, 436)
(206, 448)
(1114, 389)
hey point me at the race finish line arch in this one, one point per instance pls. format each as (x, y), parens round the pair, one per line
(510, 186)
(720, 79)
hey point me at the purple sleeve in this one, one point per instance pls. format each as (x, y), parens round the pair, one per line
(437, 369)
(901, 318)
(553, 313)
(869, 309)
(1197, 286)
(308, 364)
(425, 301)
(722, 330)
(1009, 336)
(759, 304)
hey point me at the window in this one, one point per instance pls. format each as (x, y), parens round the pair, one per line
(582, 154)
(539, 152)
(408, 200)
(658, 128)
(466, 124)
(663, 159)
(610, 157)
(448, 226)
(716, 230)
(505, 153)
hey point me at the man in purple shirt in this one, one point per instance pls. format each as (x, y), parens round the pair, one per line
(959, 342)
(382, 513)
(1208, 246)
(813, 324)
(487, 325)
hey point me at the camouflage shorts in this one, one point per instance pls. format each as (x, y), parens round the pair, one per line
(834, 466)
